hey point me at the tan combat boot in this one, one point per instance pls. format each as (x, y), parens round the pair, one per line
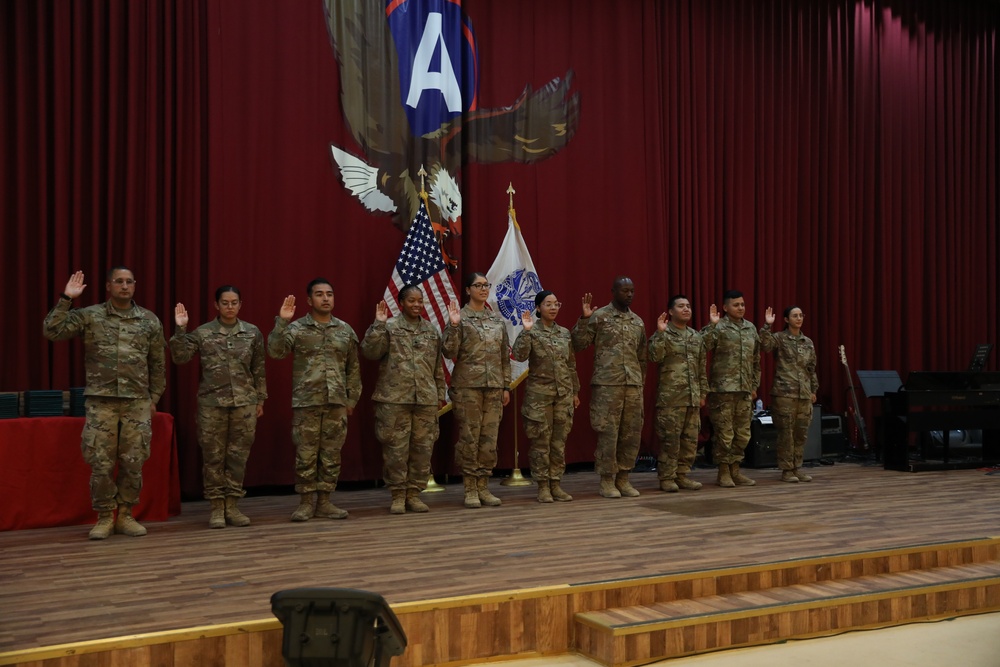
(725, 479)
(217, 519)
(327, 510)
(105, 524)
(669, 485)
(685, 483)
(471, 492)
(789, 476)
(126, 525)
(608, 489)
(802, 476)
(485, 497)
(557, 491)
(234, 517)
(307, 507)
(398, 502)
(739, 478)
(414, 503)
(544, 492)
(623, 485)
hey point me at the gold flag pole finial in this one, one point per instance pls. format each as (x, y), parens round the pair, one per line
(423, 189)
(511, 191)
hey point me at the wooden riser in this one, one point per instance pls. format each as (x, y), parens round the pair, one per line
(541, 621)
(776, 626)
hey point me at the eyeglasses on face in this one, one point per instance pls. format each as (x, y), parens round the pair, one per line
(481, 285)
(124, 281)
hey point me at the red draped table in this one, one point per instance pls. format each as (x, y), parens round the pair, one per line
(45, 482)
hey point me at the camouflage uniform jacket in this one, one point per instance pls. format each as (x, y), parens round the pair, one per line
(680, 354)
(619, 341)
(795, 363)
(481, 350)
(735, 348)
(410, 371)
(551, 361)
(124, 351)
(325, 369)
(232, 362)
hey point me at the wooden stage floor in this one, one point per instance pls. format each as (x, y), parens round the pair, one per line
(58, 587)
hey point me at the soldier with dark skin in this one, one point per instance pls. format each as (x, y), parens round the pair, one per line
(734, 376)
(231, 398)
(124, 355)
(551, 396)
(409, 391)
(476, 339)
(794, 391)
(681, 392)
(616, 401)
(326, 385)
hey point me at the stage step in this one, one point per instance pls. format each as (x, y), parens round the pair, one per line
(845, 597)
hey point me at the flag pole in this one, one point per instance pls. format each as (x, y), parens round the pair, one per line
(516, 478)
(432, 486)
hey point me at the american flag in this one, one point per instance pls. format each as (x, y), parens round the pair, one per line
(420, 263)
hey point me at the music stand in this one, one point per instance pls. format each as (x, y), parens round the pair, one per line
(979, 357)
(879, 383)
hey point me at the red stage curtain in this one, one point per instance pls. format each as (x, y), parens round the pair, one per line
(837, 155)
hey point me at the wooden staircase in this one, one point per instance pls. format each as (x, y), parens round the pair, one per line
(728, 608)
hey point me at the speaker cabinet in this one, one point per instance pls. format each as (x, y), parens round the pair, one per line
(762, 451)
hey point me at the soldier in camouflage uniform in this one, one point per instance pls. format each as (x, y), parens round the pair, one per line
(408, 394)
(551, 396)
(476, 339)
(794, 392)
(616, 407)
(326, 385)
(231, 398)
(734, 377)
(680, 393)
(124, 354)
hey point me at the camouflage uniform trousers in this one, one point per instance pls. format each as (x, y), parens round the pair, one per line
(225, 436)
(407, 433)
(117, 431)
(547, 423)
(730, 413)
(478, 413)
(616, 413)
(318, 433)
(792, 417)
(677, 428)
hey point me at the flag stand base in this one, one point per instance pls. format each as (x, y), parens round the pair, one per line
(515, 479)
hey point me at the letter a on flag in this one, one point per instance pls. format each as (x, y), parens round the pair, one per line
(515, 285)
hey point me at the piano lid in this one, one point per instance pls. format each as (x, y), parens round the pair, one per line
(952, 381)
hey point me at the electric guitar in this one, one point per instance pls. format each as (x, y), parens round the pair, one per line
(859, 421)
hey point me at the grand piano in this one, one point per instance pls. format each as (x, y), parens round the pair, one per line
(919, 420)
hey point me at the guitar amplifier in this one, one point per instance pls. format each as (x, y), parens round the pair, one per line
(762, 450)
(834, 440)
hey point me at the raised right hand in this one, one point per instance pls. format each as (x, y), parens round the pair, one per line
(587, 308)
(769, 315)
(287, 311)
(454, 316)
(75, 286)
(181, 318)
(526, 320)
(713, 314)
(661, 322)
(382, 311)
